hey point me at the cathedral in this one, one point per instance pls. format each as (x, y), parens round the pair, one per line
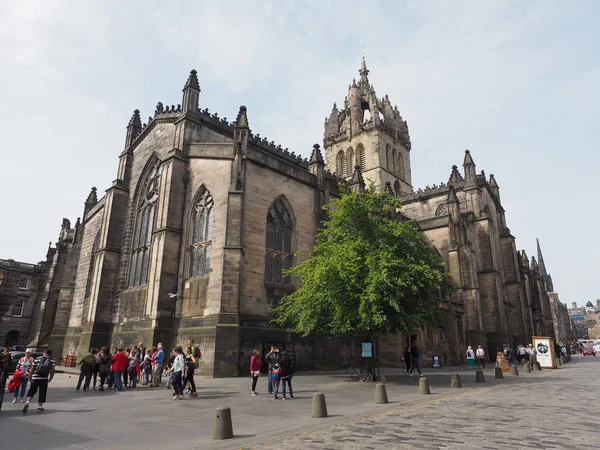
(192, 239)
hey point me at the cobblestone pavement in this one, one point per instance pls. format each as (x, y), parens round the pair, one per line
(556, 410)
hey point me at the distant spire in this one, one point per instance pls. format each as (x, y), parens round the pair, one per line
(134, 128)
(452, 195)
(455, 176)
(534, 264)
(469, 166)
(364, 72)
(493, 183)
(316, 157)
(92, 198)
(357, 183)
(242, 118)
(543, 272)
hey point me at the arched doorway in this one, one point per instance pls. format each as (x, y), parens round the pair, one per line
(12, 338)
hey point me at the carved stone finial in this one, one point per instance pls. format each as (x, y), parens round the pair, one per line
(93, 196)
(242, 117)
(192, 81)
(159, 108)
(316, 157)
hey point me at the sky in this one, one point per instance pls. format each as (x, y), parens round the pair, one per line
(517, 83)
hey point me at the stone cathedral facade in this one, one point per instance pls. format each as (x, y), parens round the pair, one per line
(192, 238)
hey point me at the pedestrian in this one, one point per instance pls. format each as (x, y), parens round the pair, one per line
(42, 374)
(190, 363)
(178, 373)
(159, 362)
(470, 357)
(407, 360)
(414, 359)
(134, 364)
(126, 370)
(480, 355)
(275, 376)
(87, 365)
(119, 365)
(254, 369)
(25, 365)
(522, 354)
(167, 372)
(104, 366)
(147, 367)
(272, 358)
(532, 357)
(287, 371)
(142, 351)
(96, 369)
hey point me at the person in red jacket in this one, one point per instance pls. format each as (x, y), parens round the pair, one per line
(119, 364)
(254, 369)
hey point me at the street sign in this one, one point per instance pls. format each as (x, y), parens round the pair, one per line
(367, 349)
(437, 362)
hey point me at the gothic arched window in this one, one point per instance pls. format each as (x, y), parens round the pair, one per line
(144, 225)
(441, 210)
(393, 168)
(278, 256)
(350, 162)
(202, 231)
(401, 164)
(397, 188)
(360, 156)
(340, 164)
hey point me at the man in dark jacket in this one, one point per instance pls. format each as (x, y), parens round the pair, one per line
(407, 358)
(414, 359)
(272, 357)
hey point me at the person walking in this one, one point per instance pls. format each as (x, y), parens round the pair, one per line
(287, 371)
(178, 373)
(480, 355)
(132, 369)
(414, 359)
(159, 362)
(87, 365)
(272, 358)
(119, 365)
(25, 365)
(532, 357)
(190, 363)
(147, 368)
(254, 369)
(142, 351)
(275, 375)
(42, 373)
(407, 360)
(470, 357)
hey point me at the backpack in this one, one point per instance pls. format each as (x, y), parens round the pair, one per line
(276, 373)
(43, 368)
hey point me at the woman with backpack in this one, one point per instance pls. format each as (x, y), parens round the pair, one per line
(470, 357)
(191, 364)
(287, 370)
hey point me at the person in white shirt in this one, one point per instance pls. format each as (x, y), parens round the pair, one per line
(480, 354)
(178, 370)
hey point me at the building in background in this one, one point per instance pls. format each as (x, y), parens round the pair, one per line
(21, 285)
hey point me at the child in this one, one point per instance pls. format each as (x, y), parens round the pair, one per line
(276, 377)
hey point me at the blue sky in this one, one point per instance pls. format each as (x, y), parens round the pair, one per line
(515, 82)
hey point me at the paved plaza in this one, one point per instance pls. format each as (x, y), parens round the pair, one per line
(542, 410)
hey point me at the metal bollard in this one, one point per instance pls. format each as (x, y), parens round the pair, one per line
(498, 373)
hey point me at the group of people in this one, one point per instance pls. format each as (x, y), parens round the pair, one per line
(521, 355)
(121, 369)
(412, 358)
(280, 367)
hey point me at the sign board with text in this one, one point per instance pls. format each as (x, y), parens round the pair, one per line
(545, 351)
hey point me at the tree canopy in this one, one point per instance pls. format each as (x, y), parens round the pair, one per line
(369, 273)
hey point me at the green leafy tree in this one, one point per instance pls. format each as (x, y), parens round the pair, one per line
(369, 273)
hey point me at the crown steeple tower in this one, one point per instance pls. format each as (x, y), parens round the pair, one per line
(370, 133)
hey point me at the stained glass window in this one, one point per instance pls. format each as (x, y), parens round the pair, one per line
(202, 231)
(144, 225)
(278, 256)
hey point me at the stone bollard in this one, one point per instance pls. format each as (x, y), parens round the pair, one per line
(455, 381)
(222, 428)
(538, 365)
(380, 394)
(514, 370)
(479, 378)
(526, 368)
(498, 373)
(319, 408)
(424, 386)
(563, 360)
(558, 362)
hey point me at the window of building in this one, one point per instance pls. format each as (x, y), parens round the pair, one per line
(442, 335)
(340, 164)
(397, 188)
(278, 256)
(393, 167)
(144, 225)
(400, 165)
(360, 156)
(18, 307)
(202, 231)
(350, 162)
(24, 283)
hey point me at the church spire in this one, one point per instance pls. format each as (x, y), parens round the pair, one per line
(357, 183)
(134, 128)
(191, 93)
(364, 72)
(469, 165)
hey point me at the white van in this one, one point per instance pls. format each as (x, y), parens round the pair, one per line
(597, 345)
